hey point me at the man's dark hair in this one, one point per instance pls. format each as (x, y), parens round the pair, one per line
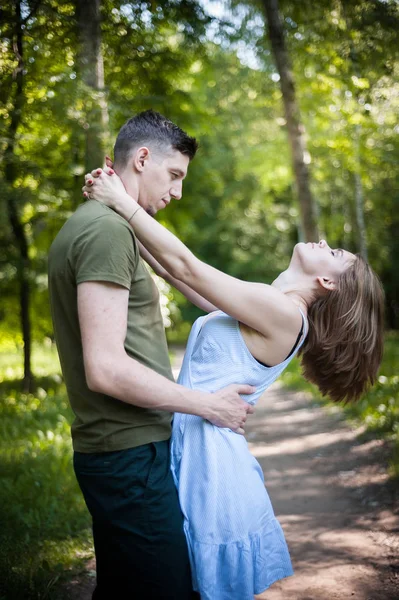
(149, 128)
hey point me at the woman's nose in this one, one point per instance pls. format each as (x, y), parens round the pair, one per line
(322, 243)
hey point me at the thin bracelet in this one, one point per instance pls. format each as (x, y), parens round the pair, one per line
(136, 211)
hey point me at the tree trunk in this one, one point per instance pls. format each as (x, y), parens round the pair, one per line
(91, 68)
(359, 198)
(296, 132)
(359, 195)
(10, 172)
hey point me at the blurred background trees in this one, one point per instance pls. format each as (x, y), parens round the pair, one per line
(71, 73)
(298, 130)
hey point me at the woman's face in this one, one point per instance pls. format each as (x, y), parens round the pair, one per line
(319, 260)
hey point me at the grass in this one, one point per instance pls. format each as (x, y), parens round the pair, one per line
(44, 524)
(378, 410)
(44, 358)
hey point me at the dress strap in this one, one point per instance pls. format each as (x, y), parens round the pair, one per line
(305, 327)
(207, 318)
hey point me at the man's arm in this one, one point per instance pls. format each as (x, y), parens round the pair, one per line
(102, 309)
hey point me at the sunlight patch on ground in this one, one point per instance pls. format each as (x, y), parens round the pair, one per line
(305, 442)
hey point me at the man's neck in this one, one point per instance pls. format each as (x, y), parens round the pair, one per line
(130, 182)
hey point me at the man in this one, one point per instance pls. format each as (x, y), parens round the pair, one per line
(114, 357)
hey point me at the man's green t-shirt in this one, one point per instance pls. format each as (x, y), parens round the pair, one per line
(96, 244)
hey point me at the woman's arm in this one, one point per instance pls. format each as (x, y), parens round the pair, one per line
(189, 293)
(261, 307)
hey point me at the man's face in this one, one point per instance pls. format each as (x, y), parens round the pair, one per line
(161, 179)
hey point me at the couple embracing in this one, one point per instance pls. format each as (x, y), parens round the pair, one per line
(178, 504)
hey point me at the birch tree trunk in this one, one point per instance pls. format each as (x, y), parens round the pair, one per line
(296, 132)
(359, 194)
(359, 197)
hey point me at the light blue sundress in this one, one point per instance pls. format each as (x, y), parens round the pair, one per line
(236, 545)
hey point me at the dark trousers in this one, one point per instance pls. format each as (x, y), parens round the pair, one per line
(140, 546)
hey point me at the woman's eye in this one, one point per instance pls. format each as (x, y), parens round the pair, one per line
(332, 252)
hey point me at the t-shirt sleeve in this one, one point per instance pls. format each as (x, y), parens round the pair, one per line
(105, 251)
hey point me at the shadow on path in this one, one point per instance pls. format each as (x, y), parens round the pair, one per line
(330, 490)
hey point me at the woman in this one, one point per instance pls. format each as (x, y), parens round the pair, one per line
(328, 304)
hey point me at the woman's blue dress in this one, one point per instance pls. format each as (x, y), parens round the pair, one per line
(237, 547)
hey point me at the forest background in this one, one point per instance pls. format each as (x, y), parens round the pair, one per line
(295, 107)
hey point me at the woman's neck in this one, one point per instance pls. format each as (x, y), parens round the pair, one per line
(298, 287)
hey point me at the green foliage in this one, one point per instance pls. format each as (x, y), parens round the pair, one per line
(44, 526)
(239, 211)
(45, 358)
(378, 410)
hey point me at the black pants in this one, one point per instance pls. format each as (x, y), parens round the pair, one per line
(139, 542)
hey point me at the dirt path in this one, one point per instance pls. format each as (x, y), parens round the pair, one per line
(331, 494)
(330, 491)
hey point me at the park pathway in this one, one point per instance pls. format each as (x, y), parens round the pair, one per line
(330, 491)
(331, 494)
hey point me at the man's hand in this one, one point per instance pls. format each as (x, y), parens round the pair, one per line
(229, 409)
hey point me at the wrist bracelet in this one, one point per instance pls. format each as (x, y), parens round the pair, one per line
(135, 211)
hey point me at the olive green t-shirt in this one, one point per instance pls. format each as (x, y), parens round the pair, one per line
(96, 244)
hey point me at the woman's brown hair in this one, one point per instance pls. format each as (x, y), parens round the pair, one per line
(343, 349)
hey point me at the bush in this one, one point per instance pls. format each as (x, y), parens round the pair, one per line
(44, 524)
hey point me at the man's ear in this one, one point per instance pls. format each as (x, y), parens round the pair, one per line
(327, 283)
(140, 159)
(108, 162)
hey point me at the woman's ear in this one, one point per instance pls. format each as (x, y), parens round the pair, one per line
(327, 283)
(141, 157)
